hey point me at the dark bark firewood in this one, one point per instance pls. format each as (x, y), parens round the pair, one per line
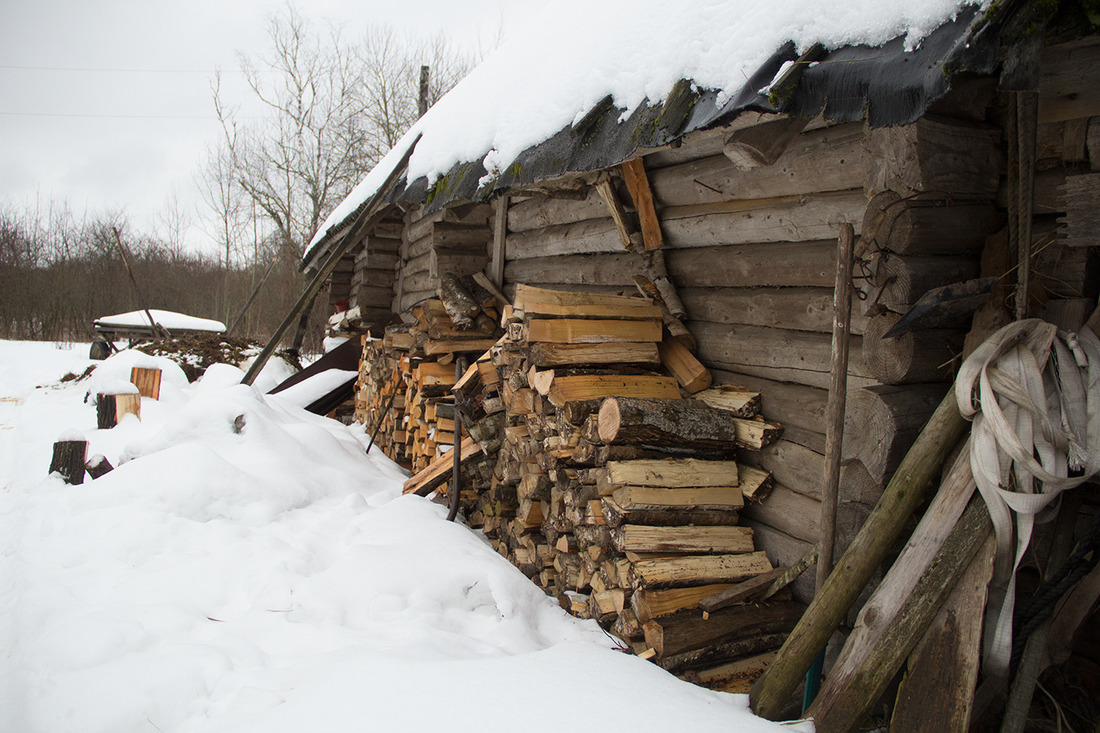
(679, 423)
(98, 466)
(68, 460)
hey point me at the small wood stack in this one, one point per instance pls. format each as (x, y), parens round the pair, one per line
(611, 490)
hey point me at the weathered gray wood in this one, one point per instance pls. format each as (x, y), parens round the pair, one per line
(783, 549)
(904, 279)
(788, 264)
(929, 226)
(914, 357)
(800, 469)
(838, 396)
(855, 683)
(905, 491)
(596, 269)
(797, 356)
(800, 309)
(499, 247)
(946, 156)
(822, 160)
(1067, 86)
(793, 219)
(541, 212)
(886, 420)
(937, 691)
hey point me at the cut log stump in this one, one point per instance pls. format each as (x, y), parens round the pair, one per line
(147, 381)
(68, 460)
(111, 407)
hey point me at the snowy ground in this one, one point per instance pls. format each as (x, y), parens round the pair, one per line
(247, 567)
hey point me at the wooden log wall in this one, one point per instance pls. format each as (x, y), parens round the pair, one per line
(455, 240)
(371, 285)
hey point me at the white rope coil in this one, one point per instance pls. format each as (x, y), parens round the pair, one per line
(1033, 395)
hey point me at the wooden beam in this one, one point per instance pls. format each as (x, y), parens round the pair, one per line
(500, 241)
(637, 182)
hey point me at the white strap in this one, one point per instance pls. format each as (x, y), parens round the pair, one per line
(1033, 395)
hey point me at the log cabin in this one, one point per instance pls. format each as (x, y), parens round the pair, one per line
(969, 156)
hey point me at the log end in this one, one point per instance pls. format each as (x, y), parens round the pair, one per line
(608, 420)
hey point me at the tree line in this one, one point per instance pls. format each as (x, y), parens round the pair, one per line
(333, 107)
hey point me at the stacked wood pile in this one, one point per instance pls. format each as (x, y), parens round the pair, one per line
(616, 489)
(405, 378)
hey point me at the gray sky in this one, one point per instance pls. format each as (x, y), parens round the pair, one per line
(107, 103)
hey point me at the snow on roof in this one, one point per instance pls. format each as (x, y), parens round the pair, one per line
(168, 319)
(578, 53)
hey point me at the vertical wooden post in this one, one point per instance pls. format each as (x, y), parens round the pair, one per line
(422, 101)
(500, 241)
(1022, 130)
(68, 460)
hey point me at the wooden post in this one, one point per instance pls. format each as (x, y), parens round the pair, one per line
(498, 256)
(456, 450)
(834, 410)
(1022, 132)
(901, 497)
(68, 460)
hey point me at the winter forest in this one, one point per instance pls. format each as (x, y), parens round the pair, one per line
(334, 104)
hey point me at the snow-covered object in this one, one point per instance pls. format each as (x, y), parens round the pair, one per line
(554, 70)
(168, 319)
(250, 569)
(314, 388)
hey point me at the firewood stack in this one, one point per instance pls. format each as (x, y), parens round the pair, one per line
(613, 491)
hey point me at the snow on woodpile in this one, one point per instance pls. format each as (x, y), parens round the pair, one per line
(557, 69)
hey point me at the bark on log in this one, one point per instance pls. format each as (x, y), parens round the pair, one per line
(68, 460)
(680, 633)
(460, 305)
(678, 423)
(97, 466)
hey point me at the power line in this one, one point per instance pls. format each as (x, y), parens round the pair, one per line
(122, 116)
(118, 70)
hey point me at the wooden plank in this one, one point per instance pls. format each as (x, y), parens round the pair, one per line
(666, 473)
(637, 183)
(753, 265)
(588, 236)
(592, 331)
(694, 540)
(594, 269)
(540, 212)
(499, 247)
(1067, 80)
(682, 364)
(679, 633)
(592, 387)
(691, 570)
(626, 352)
(439, 470)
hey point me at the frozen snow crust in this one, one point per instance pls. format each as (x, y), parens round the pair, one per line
(246, 567)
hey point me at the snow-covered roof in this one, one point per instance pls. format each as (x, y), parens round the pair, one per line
(608, 68)
(168, 319)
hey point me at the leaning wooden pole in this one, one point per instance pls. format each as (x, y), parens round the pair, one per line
(366, 218)
(921, 466)
(834, 408)
(158, 329)
(256, 291)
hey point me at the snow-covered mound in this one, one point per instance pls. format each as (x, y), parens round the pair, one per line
(247, 567)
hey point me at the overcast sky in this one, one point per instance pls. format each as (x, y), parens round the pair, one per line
(107, 103)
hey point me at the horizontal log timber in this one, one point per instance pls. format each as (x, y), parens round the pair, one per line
(678, 423)
(649, 603)
(914, 357)
(784, 550)
(626, 352)
(688, 570)
(734, 399)
(827, 159)
(780, 264)
(592, 331)
(570, 270)
(941, 155)
(884, 421)
(802, 218)
(675, 634)
(1065, 88)
(904, 279)
(798, 308)
(540, 212)
(591, 235)
(802, 357)
(929, 226)
(800, 468)
(793, 513)
(666, 473)
(589, 387)
(695, 540)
